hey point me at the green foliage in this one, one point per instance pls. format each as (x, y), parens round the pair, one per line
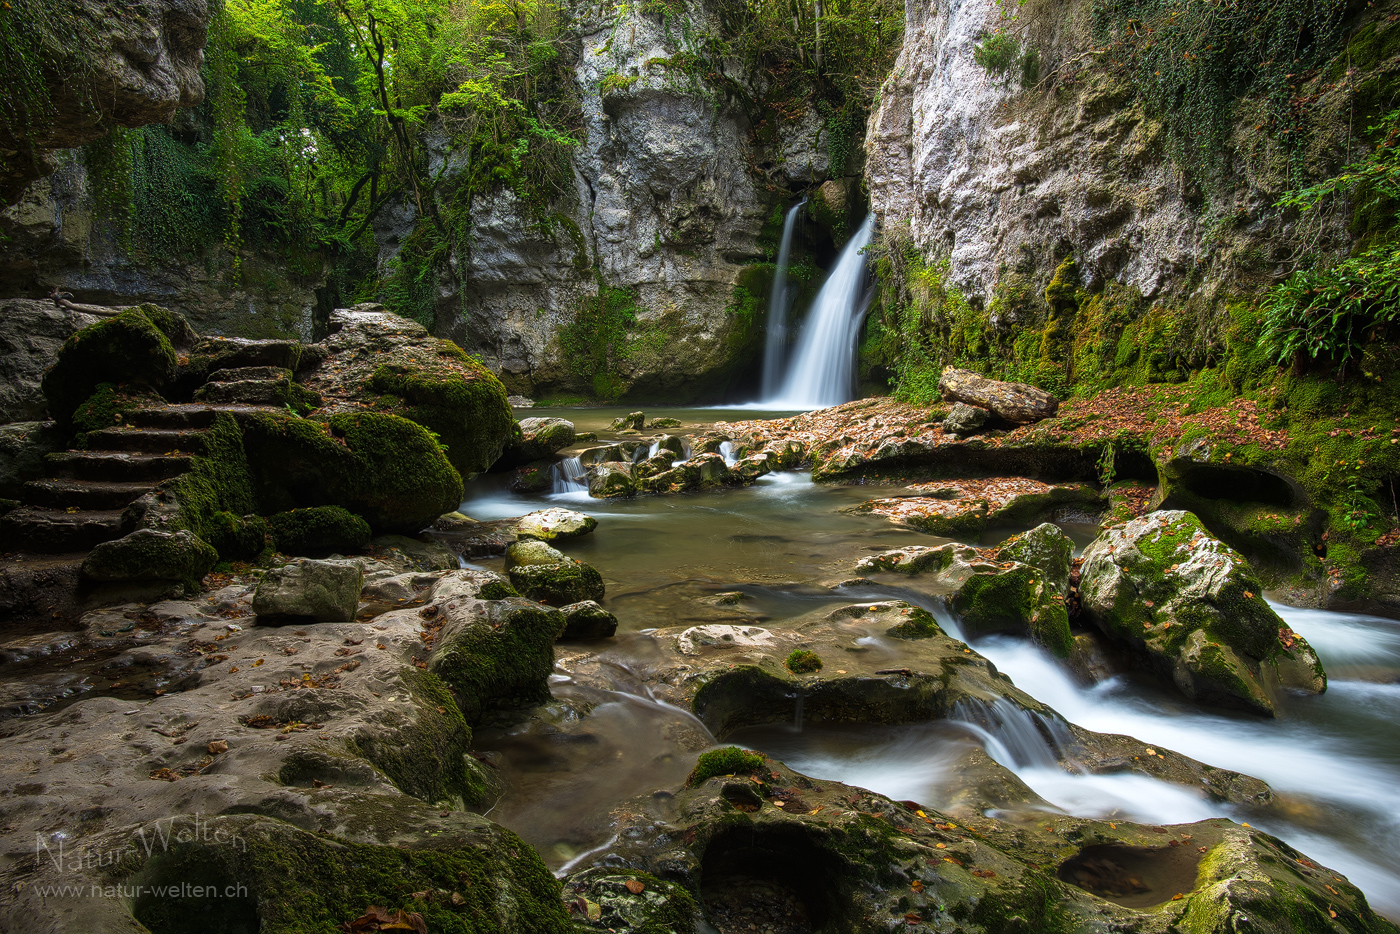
(217, 490)
(1192, 61)
(997, 53)
(729, 760)
(803, 661)
(1329, 314)
(595, 342)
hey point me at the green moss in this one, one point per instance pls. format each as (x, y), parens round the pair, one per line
(124, 350)
(299, 882)
(803, 661)
(238, 538)
(387, 469)
(150, 555)
(319, 530)
(217, 489)
(730, 760)
(460, 401)
(558, 584)
(503, 658)
(427, 757)
(918, 624)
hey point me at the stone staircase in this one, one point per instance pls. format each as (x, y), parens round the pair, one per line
(81, 504)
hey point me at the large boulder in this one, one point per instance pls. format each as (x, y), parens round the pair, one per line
(539, 438)
(375, 357)
(23, 447)
(319, 530)
(610, 481)
(1013, 402)
(559, 584)
(1172, 592)
(324, 591)
(587, 620)
(31, 333)
(131, 348)
(1047, 549)
(382, 467)
(149, 555)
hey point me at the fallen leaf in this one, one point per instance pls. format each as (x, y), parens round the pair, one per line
(917, 886)
(635, 887)
(217, 746)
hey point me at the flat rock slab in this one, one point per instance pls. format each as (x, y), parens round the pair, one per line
(963, 508)
(554, 524)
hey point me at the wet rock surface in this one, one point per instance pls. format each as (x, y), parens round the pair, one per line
(1169, 589)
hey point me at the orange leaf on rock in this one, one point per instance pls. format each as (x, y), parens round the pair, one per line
(635, 887)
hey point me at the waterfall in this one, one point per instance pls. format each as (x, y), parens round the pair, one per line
(569, 476)
(775, 342)
(822, 370)
(1012, 735)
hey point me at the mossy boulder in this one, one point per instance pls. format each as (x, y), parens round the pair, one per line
(1018, 598)
(531, 552)
(319, 530)
(495, 653)
(385, 468)
(539, 438)
(128, 349)
(323, 591)
(374, 357)
(1047, 549)
(150, 555)
(632, 421)
(558, 584)
(611, 481)
(1169, 590)
(534, 477)
(588, 620)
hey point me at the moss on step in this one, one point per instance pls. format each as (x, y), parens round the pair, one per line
(319, 530)
(124, 350)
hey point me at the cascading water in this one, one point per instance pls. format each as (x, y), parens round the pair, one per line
(822, 369)
(569, 476)
(1015, 737)
(775, 342)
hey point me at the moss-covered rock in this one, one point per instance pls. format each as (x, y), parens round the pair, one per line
(558, 584)
(588, 620)
(602, 899)
(1018, 599)
(385, 468)
(1171, 591)
(127, 349)
(323, 591)
(728, 760)
(374, 357)
(532, 551)
(497, 652)
(540, 438)
(1045, 548)
(535, 477)
(147, 555)
(803, 661)
(611, 481)
(319, 530)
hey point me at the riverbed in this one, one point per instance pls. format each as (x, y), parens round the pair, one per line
(1333, 760)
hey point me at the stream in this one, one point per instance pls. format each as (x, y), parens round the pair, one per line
(1333, 760)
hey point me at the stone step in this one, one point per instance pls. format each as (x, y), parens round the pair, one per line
(84, 494)
(245, 392)
(148, 440)
(195, 414)
(240, 374)
(56, 531)
(117, 465)
(224, 353)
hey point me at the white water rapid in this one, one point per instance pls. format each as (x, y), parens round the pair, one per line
(775, 341)
(822, 368)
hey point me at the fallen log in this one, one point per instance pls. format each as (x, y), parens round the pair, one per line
(1014, 402)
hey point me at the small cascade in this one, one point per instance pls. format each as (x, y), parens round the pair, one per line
(569, 476)
(726, 451)
(775, 340)
(1014, 736)
(823, 365)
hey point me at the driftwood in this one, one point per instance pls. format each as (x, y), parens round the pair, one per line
(1014, 402)
(63, 300)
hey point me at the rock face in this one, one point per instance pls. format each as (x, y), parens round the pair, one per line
(129, 69)
(375, 354)
(1169, 590)
(1012, 402)
(31, 333)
